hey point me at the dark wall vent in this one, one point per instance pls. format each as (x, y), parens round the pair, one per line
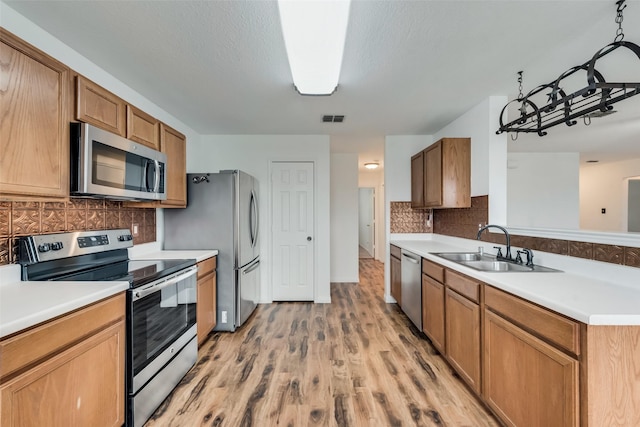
(332, 119)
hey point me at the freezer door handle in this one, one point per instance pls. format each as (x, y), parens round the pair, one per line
(251, 268)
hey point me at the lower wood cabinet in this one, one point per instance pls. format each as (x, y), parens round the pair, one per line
(396, 267)
(463, 337)
(206, 302)
(58, 375)
(528, 382)
(433, 311)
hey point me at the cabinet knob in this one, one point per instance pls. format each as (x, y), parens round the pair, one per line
(309, 238)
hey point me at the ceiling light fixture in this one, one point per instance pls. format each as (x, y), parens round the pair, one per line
(314, 34)
(371, 165)
(560, 107)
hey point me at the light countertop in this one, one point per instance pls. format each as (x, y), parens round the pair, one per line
(574, 293)
(155, 252)
(26, 304)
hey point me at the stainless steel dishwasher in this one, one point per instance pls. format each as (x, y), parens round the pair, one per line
(411, 279)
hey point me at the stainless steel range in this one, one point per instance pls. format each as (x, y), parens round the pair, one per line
(161, 305)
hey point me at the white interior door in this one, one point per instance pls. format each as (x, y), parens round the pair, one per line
(292, 193)
(366, 225)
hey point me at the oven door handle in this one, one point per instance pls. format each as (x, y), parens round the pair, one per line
(139, 294)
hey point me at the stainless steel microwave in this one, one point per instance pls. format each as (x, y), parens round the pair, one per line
(107, 165)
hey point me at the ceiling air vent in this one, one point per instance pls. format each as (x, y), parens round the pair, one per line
(332, 119)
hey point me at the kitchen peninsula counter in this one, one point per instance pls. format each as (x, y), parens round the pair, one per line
(26, 304)
(574, 292)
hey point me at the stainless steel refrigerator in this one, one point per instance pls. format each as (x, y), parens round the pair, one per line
(222, 213)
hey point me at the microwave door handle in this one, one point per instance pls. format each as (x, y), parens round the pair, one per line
(156, 184)
(146, 175)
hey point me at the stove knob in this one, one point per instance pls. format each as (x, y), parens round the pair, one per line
(45, 247)
(124, 237)
(56, 246)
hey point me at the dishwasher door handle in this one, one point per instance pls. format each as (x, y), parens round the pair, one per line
(410, 259)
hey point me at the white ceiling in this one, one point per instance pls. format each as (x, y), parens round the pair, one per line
(409, 67)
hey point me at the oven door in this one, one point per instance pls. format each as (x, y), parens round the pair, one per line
(105, 164)
(161, 314)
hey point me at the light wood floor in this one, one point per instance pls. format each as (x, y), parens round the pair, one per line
(355, 362)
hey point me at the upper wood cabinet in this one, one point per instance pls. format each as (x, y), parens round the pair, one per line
(99, 107)
(143, 128)
(34, 142)
(441, 175)
(174, 145)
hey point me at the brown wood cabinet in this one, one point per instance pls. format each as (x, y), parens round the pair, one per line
(395, 271)
(34, 142)
(69, 371)
(433, 311)
(174, 145)
(206, 301)
(441, 175)
(463, 337)
(99, 107)
(527, 381)
(143, 128)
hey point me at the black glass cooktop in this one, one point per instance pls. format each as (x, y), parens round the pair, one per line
(136, 272)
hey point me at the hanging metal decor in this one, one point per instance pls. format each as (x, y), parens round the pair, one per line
(596, 98)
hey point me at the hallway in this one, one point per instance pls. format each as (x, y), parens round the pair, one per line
(355, 362)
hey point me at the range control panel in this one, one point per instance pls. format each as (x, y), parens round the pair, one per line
(90, 241)
(47, 247)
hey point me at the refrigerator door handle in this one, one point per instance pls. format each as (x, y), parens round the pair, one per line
(251, 267)
(253, 219)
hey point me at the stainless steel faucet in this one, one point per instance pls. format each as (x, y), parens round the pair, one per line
(506, 233)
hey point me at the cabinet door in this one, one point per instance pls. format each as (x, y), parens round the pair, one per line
(143, 128)
(174, 145)
(528, 382)
(396, 285)
(463, 337)
(82, 386)
(206, 306)
(34, 142)
(433, 311)
(99, 107)
(433, 175)
(417, 180)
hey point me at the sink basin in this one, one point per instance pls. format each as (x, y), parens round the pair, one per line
(489, 263)
(497, 266)
(462, 256)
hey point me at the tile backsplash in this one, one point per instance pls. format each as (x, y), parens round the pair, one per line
(30, 218)
(403, 219)
(464, 223)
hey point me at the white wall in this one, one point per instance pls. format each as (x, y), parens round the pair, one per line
(488, 153)
(254, 154)
(606, 186)
(542, 190)
(344, 217)
(375, 180)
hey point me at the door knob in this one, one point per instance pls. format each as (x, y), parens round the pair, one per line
(308, 238)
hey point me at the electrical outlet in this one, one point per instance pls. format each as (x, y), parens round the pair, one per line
(134, 230)
(224, 317)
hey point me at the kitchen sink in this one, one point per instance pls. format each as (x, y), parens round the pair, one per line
(489, 263)
(462, 256)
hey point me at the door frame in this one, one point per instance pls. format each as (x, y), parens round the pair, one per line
(272, 266)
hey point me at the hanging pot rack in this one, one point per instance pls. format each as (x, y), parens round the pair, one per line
(597, 96)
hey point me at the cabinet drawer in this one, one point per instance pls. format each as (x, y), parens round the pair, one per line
(432, 269)
(207, 266)
(395, 251)
(550, 326)
(465, 286)
(30, 346)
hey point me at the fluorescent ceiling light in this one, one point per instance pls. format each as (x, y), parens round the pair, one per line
(371, 165)
(314, 34)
